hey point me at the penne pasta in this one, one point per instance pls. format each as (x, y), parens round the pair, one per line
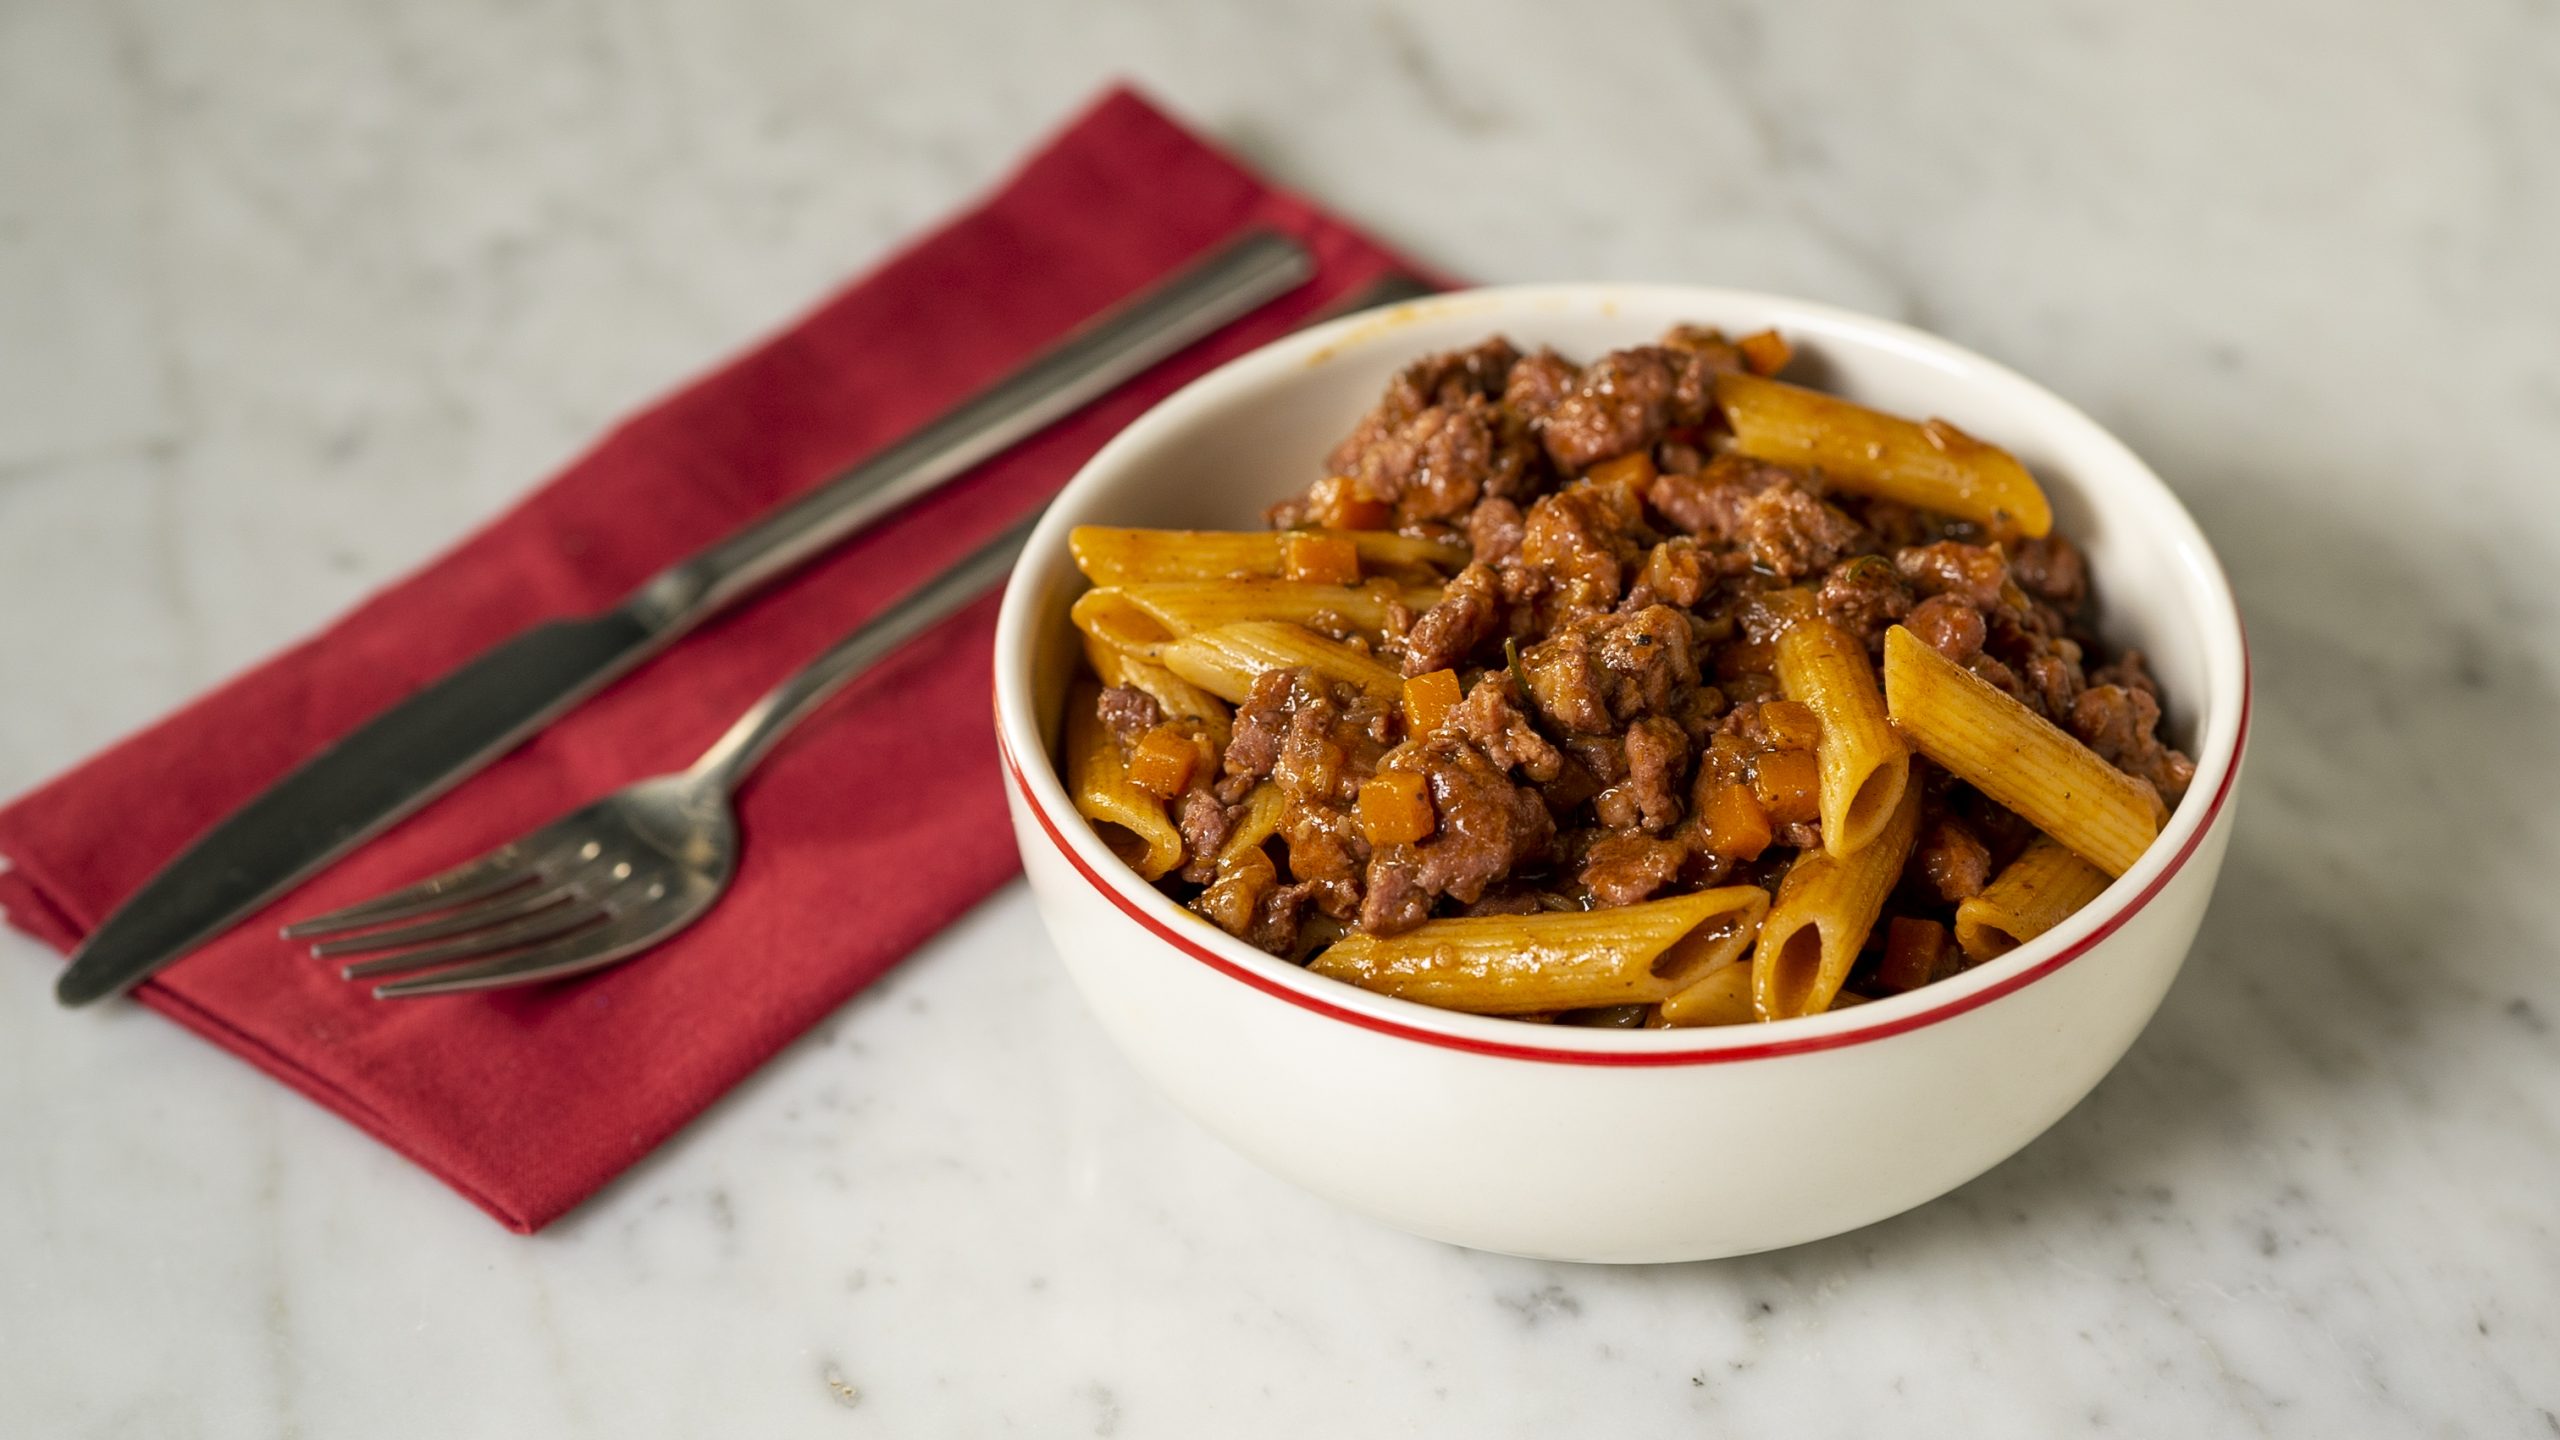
(1243, 872)
(1824, 909)
(1226, 660)
(1263, 807)
(1185, 606)
(1111, 555)
(1722, 998)
(1260, 757)
(2017, 757)
(1099, 781)
(1566, 960)
(1178, 698)
(1864, 765)
(1930, 464)
(1108, 615)
(2040, 889)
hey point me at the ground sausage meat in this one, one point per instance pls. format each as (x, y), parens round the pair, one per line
(1128, 713)
(1955, 861)
(1710, 503)
(1864, 595)
(1599, 672)
(1468, 615)
(1949, 626)
(1494, 530)
(1623, 869)
(1486, 828)
(2122, 725)
(1657, 752)
(1623, 402)
(1591, 714)
(1253, 746)
(1491, 717)
(1791, 534)
(1205, 825)
(1580, 544)
(1970, 573)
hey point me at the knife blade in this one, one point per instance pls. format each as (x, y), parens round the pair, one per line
(425, 744)
(367, 781)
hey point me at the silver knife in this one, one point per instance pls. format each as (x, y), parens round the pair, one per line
(423, 746)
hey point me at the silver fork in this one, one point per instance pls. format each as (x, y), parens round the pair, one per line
(604, 883)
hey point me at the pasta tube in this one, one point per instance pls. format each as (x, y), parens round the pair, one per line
(1825, 908)
(1224, 661)
(1100, 783)
(1184, 606)
(1566, 960)
(1864, 765)
(1260, 821)
(1930, 464)
(1175, 696)
(1108, 615)
(1110, 555)
(2043, 887)
(2016, 756)
(1722, 998)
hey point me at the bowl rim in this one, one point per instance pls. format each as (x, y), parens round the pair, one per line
(2206, 597)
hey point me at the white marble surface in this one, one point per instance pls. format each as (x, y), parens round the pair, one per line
(291, 294)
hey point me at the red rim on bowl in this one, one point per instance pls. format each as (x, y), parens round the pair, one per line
(1759, 1050)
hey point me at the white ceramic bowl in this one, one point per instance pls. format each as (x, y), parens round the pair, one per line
(1609, 1145)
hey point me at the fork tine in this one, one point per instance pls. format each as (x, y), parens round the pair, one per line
(532, 856)
(509, 904)
(542, 925)
(588, 949)
(494, 873)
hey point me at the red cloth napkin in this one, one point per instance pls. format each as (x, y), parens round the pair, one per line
(873, 829)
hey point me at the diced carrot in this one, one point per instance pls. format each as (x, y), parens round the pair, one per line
(1765, 351)
(1915, 953)
(1428, 699)
(1726, 762)
(1395, 809)
(1789, 784)
(1737, 828)
(1636, 467)
(1315, 558)
(1790, 725)
(1163, 761)
(1746, 657)
(1337, 504)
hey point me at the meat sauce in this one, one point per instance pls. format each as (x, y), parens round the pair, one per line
(1611, 729)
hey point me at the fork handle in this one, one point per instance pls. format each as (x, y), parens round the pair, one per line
(754, 735)
(1228, 284)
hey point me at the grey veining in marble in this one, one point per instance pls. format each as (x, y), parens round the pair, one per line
(292, 294)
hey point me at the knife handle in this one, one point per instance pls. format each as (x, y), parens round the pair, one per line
(1230, 283)
(756, 733)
